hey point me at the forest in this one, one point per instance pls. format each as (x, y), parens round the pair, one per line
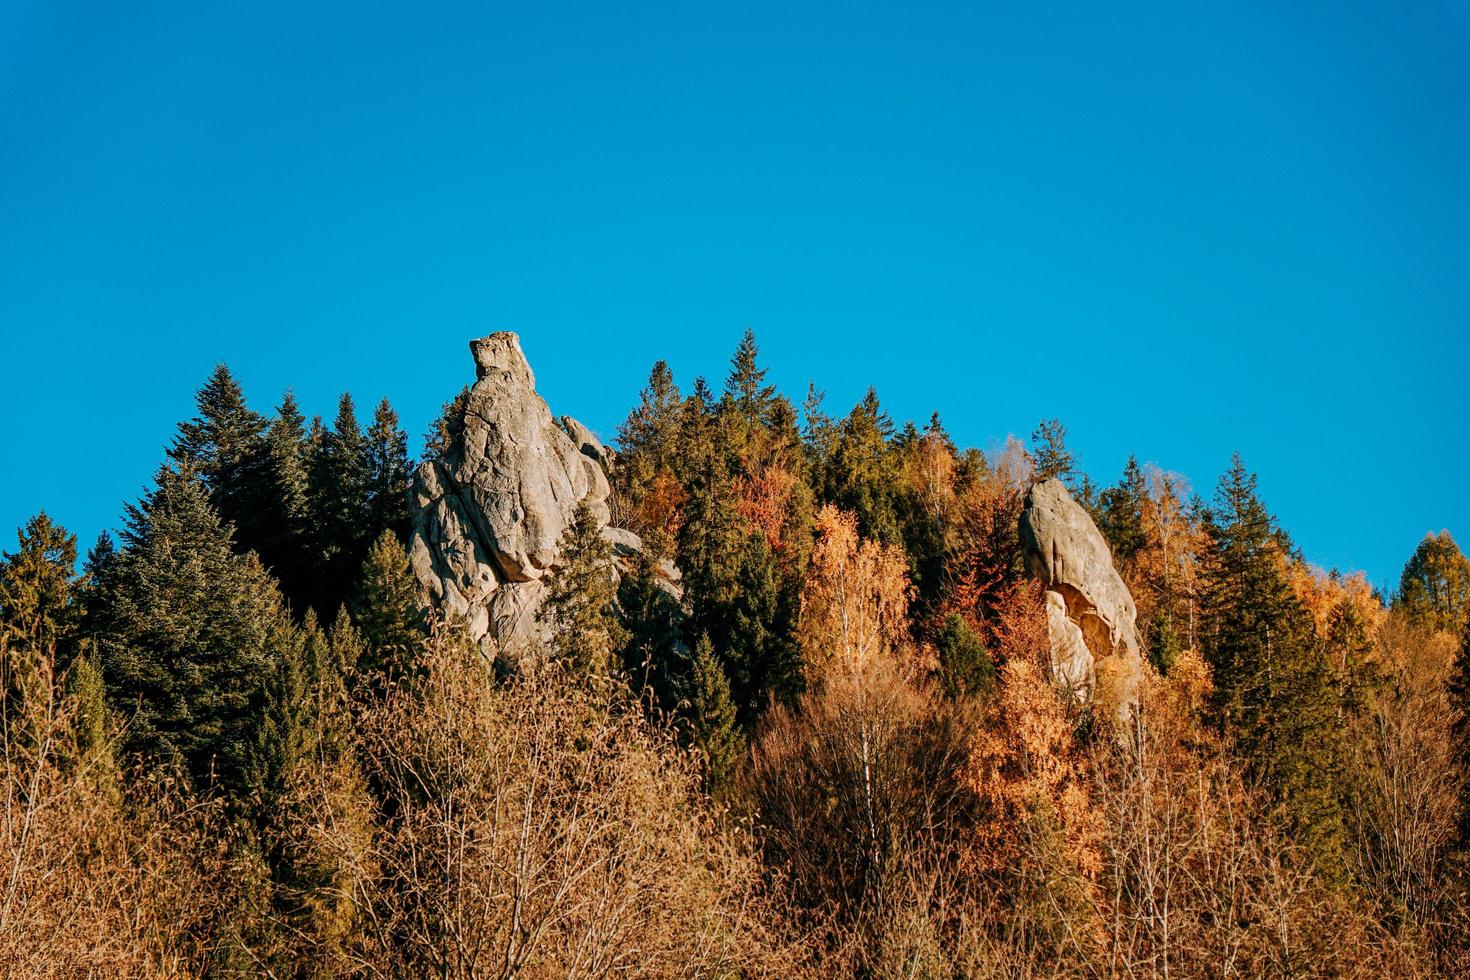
(810, 723)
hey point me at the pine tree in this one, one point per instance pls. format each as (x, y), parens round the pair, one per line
(1050, 453)
(189, 634)
(580, 604)
(388, 473)
(1435, 586)
(386, 611)
(445, 429)
(1274, 689)
(712, 717)
(36, 586)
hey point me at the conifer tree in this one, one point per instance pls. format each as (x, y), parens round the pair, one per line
(36, 585)
(386, 612)
(1050, 453)
(653, 656)
(1274, 689)
(445, 429)
(746, 386)
(712, 717)
(340, 516)
(580, 606)
(189, 634)
(1435, 585)
(286, 546)
(1122, 514)
(965, 666)
(859, 476)
(388, 473)
(223, 446)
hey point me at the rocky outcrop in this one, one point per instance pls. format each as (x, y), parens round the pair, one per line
(488, 514)
(1091, 619)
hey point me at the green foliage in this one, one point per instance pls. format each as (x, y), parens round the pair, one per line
(965, 666)
(1435, 586)
(1273, 684)
(224, 446)
(445, 429)
(1122, 514)
(37, 583)
(1164, 645)
(387, 613)
(859, 475)
(190, 635)
(712, 716)
(1050, 453)
(653, 657)
(580, 604)
(341, 522)
(388, 473)
(745, 388)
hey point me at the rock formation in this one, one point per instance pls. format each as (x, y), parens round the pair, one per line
(1089, 610)
(488, 514)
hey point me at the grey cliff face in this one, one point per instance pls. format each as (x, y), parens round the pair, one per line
(489, 514)
(1091, 618)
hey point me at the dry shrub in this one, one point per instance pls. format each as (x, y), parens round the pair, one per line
(544, 828)
(97, 881)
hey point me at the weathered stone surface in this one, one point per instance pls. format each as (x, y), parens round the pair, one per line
(488, 515)
(1091, 618)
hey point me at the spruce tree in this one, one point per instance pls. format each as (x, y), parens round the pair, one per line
(388, 473)
(653, 657)
(859, 475)
(1122, 514)
(189, 635)
(223, 446)
(386, 611)
(1273, 685)
(286, 547)
(340, 516)
(580, 604)
(746, 387)
(36, 585)
(712, 717)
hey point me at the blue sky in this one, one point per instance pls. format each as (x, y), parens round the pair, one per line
(1183, 229)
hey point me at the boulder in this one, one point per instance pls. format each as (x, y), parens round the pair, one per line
(489, 512)
(1091, 618)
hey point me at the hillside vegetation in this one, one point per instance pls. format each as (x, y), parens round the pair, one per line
(810, 726)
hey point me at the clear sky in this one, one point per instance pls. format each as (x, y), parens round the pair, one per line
(1183, 228)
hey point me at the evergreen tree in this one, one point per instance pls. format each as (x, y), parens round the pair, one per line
(189, 635)
(648, 433)
(1122, 514)
(859, 476)
(386, 611)
(445, 429)
(1164, 646)
(652, 657)
(965, 666)
(1273, 685)
(340, 515)
(223, 446)
(1050, 453)
(286, 546)
(746, 387)
(712, 717)
(388, 473)
(1435, 585)
(36, 585)
(580, 605)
